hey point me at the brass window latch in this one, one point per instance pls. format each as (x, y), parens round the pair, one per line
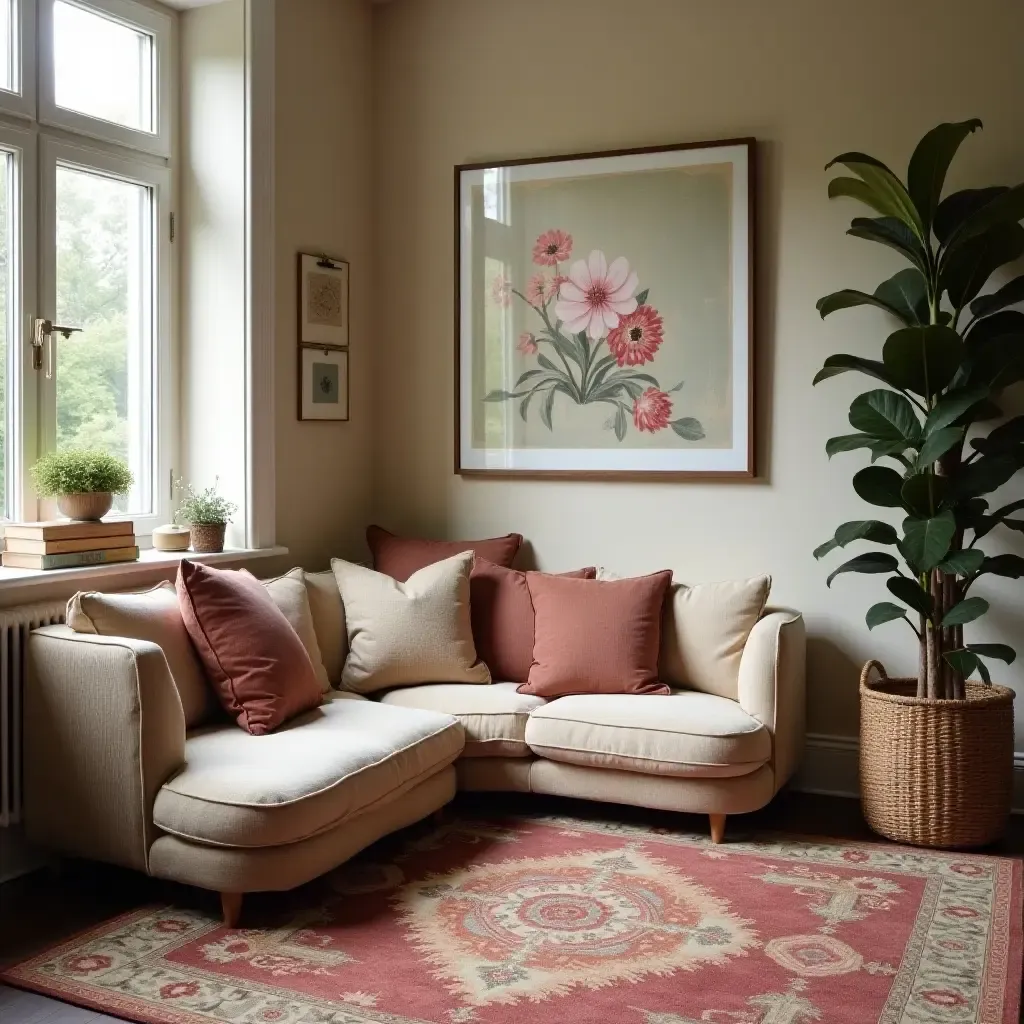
(42, 336)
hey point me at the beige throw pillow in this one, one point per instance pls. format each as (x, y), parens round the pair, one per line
(289, 594)
(329, 620)
(401, 634)
(152, 615)
(704, 630)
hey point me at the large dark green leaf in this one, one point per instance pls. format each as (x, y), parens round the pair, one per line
(1011, 566)
(869, 562)
(926, 541)
(894, 233)
(1005, 438)
(963, 563)
(930, 162)
(1005, 208)
(958, 206)
(906, 292)
(951, 407)
(924, 493)
(1009, 295)
(842, 363)
(969, 609)
(884, 611)
(1006, 321)
(885, 415)
(970, 265)
(986, 475)
(894, 448)
(937, 444)
(967, 663)
(923, 359)
(879, 485)
(910, 593)
(878, 188)
(848, 443)
(859, 529)
(1001, 652)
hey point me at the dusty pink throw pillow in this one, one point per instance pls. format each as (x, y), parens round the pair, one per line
(596, 636)
(400, 557)
(254, 660)
(503, 618)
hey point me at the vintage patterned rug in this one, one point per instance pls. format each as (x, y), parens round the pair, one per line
(562, 921)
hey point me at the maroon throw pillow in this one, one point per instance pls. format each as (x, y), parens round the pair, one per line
(253, 658)
(596, 636)
(400, 557)
(503, 618)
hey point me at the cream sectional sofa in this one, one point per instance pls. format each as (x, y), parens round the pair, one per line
(113, 772)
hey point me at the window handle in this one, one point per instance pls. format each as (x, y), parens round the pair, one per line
(43, 335)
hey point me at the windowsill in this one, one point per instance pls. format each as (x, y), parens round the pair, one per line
(149, 561)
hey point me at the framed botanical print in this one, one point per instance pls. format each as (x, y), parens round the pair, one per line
(605, 314)
(323, 383)
(323, 300)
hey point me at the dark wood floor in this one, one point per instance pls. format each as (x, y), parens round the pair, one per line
(40, 909)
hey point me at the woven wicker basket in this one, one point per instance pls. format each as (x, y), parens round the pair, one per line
(935, 772)
(207, 537)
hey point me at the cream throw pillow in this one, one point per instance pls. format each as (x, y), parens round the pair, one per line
(152, 615)
(704, 629)
(401, 634)
(289, 594)
(329, 620)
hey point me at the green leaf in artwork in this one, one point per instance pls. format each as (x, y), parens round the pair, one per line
(641, 296)
(879, 485)
(678, 387)
(499, 396)
(869, 562)
(524, 405)
(884, 611)
(547, 364)
(688, 428)
(547, 407)
(969, 609)
(620, 422)
(910, 593)
(926, 541)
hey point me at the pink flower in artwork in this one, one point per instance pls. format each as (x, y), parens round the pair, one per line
(652, 411)
(552, 247)
(540, 289)
(637, 338)
(501, 289)
(596, 295)
(527, 344)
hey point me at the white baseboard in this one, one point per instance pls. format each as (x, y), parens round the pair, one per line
(830, 767)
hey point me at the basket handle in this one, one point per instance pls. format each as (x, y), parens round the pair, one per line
(877, 666)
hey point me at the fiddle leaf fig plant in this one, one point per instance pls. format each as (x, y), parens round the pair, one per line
(935, 456)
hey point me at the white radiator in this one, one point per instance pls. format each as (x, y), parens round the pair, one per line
(15, 626)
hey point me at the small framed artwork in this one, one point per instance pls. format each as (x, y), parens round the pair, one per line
(323, 383)
(605, 314)
(323, 300)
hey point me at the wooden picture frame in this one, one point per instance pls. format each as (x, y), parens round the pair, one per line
(323, 300)
(323, 384)
(604, 311)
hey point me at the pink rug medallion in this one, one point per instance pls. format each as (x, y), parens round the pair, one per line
(561, 921)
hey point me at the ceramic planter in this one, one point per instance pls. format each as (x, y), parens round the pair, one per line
(90, 505)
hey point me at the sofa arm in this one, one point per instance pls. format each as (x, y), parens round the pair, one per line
(772, 685)
(103, 731)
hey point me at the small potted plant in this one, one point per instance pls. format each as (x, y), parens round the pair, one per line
(207, 514)
(83, 480)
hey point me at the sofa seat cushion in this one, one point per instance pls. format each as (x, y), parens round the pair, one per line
(494, 717)
(682, 734)
(325, 766)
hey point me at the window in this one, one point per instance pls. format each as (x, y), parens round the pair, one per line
(86, 186)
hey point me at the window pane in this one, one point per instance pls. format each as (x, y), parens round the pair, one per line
(102, 67)
(105, 286)
(7, 45)
(6, 313)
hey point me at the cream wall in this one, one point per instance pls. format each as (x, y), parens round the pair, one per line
(468, 80)
(323, 190)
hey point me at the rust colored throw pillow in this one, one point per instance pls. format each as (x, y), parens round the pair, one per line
(400, 557)
(503, 618)
(593, 636)
(253, 658)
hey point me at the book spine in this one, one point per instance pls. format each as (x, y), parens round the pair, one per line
(74, 559)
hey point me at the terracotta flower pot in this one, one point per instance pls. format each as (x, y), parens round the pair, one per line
(89, 505)
(207, 537)
(935, 772)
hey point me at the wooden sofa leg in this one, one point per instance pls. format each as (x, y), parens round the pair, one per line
(231, 906)
(717, 827)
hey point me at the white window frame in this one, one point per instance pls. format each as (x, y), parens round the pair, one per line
(54, 153)
(160, 27)
(22, 99)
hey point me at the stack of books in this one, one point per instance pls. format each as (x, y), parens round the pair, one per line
(64, 544)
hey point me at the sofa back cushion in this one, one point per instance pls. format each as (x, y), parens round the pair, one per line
(290, 595)
(400, 557)
(503, 618)
(596, 637)
(153, 615)
(254, 659)
(400, 634)
(704, 630)
(329, 621)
